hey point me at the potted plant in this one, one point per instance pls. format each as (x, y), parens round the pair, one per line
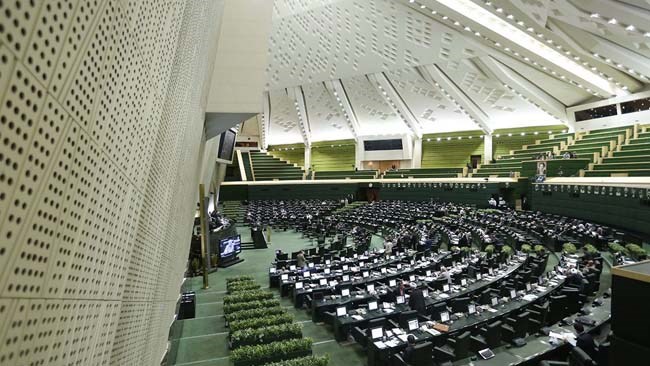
(636, 251)
(272, 352)
(540, 249)
(489, 249)
(590, 250)
(569, 248)
(506, 250)
(455, 249)
(303, 361)
(526, 248)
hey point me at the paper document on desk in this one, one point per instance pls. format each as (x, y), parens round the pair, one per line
(388, 311)
(403, 337)
(357, 317)
(433, 332)
(391, 343)
(380, 345)
(397, 331)
(444, 296)
(529, 297)
(570, 338)
(492, 310)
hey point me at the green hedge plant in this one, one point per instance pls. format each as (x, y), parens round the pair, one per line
(254, 313)
(526, 248)
(590, 250)
(506, 250)
(260, 322)
(489, 249)
(618, 248)
(243, 286)
(636, 251)
(231, 308)
(271, 352)
(263, 335)
(539, 249)
(303, 361)
(247, 296)
(230, 280)
(569, 248)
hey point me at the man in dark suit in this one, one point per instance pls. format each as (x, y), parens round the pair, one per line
(407, 354)
(585, 340)
(416, 301)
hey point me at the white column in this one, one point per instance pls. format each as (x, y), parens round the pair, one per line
(487, 148)
(308, 158)
(416, 161)
(358, 159)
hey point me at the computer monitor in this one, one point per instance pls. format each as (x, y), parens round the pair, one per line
(372, 305)
(365, 274)
(328, 262)
(490, 271)
(370, 288)
(332, 283)
(479, 276)
(513, 293)
(383, 270)
(459, 304)
(399, 299)
(298, 285)
(346, 278)
(345, 292)
(399, 266)
(463, 282)
(292, 267)
(341, 311)
(327, 271)
(428, 273)
(529, 288)
(322, 281)
(444, 316)
(494, 301)
(284, 277)
(310, 265)
(306, 274)
(425, 292)
(413, 324)
(471, 309)
(445, 288)
(272, 270)
(229, 247)
(376, 333)
(412, 278)
(345, 267)
(392, 283)
(361, 264)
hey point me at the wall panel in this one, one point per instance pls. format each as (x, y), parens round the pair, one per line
(101, 125)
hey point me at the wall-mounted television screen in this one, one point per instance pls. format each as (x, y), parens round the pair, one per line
(227, 145)
(229, 246)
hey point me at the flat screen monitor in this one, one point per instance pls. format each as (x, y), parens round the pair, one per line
(478, 276)
(272, 270)
(230, 246)
(376, 333)
(227, 145)
(400, 299)
(345, 292)
(471, 309)
(413, 324)
(370, 288)
(463, 282)
(292, 267)
(383, 270)
(399, 266)
(513, 294)
(327, 261)
(425, 293)
(326, 271)
(346, 278)
(341, 311)
(298, 285)
(365, 274)
(323, 281)
(445, 288)
(444, 316)
(310, 265)
(412, 278)
(428, 273)
(306, 274)
(392, 283)
(495, 301)
(284, 277)
(372, 305)
(345, 267)
(529, 288)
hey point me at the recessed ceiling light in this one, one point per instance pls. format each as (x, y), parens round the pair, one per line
(613, 21)
(595, 15)
(630, 28)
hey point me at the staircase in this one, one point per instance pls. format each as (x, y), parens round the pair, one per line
(628, 157)
(268, 167)
(233, 210)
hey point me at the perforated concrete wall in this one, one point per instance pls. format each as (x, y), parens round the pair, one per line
(100, 133)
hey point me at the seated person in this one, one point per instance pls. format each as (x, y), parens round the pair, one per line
(585, 340)
(407, 353)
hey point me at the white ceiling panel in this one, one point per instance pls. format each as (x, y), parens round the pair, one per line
(284, 127)
(326, 119)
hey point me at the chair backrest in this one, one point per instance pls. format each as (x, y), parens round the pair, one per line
(461, 348)
(422, 354)
(578, 357)
(493, 335)
(521, 326)
(405, 316)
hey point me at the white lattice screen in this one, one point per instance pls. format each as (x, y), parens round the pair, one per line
(100, 132)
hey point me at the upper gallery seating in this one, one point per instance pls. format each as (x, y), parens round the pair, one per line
(267, 167)
(511, 165)
(632, 158)
(595, 144)
(426, 173)
(344, 174)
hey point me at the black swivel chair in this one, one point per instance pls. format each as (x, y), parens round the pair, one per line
(538, 314)
(488, 337)
(515, 327)
(421, 356)
(558, 309)
(362, 334)
(456, 348)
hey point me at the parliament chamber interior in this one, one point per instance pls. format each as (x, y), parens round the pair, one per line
(324, 182)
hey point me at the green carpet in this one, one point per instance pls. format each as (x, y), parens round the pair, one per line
(202, 341)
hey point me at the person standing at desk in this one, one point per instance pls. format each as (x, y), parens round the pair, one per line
(388, 248)
(416, 302)
(300, 259)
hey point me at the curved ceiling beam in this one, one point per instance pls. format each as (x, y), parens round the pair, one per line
(437, 77)
(338, 91)
(296, 95)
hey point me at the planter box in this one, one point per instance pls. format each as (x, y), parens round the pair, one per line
(274, 358)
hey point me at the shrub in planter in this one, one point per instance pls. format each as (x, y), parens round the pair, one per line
(617, 248)
(254, 313)
(260, 322)
(590, 250)
(506, 250)
(247, 296)
(636, 251)
(526, 248)
(231, 308)
(263, 335)
(569, 248)
(271, 352)
(489, 249)
(303, 361)
(540, 249)
(230, 280)
(243, 286)
(455, 249)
